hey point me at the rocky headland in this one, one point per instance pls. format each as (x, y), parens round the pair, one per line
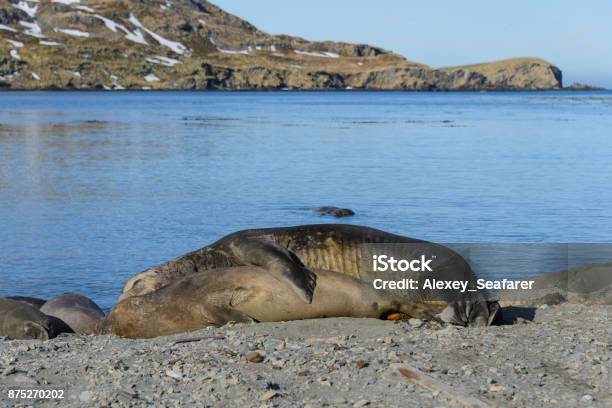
(194, 45)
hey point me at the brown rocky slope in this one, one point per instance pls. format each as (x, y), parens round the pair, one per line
(192, 44)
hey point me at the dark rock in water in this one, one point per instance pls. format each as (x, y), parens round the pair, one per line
(77, 311)
(334, 211)
(19, 320)
(34, 302)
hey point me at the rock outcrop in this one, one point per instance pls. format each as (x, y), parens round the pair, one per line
(192, 44)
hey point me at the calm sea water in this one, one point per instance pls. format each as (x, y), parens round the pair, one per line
(95, 187)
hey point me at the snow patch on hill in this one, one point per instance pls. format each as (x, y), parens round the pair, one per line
(25, 7)
(158, 59)
(177, 47)
(33, 29)
(72, 32)
(134, 36)
(322, 54)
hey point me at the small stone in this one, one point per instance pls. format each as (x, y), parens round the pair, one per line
(325, 382)
(491, 380)
(361, 364)
(174, 374)
(361, 403)
(497, 388)
(86, 396)
(9, 371)
(586, 398)
(416, 323)
(388, 340)
(467, 370)
(120, 365)
(543, 307)
(127, 395)
(254, 357)
(268, 395)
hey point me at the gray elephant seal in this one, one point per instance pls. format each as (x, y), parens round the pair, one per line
(247, 294)
(80, 313)
(19, 321)
(291, 253)
(34, 302)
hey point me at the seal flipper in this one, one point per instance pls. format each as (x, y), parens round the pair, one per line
(33, 330)
(279, 261)
(223, 315)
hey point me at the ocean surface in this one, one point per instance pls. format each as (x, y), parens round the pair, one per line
(95, 187)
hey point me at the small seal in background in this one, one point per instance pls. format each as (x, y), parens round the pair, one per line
(21, 321)
(80, 313)
(334, 211)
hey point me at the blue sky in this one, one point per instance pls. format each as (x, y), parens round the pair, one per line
(575, 36)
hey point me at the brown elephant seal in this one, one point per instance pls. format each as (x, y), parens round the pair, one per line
(80, 313)
(247, 294)
(291, 253)
(20, 321)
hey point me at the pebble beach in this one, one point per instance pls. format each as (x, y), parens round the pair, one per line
(561, 356)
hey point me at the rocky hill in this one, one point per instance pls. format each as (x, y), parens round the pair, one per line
(192, 44)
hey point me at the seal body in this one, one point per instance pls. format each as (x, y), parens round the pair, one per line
(32, 301)
(248, 294)
(19, 321)
(80, 313)
(291, 253)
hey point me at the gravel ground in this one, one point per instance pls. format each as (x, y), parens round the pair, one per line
(563, 358)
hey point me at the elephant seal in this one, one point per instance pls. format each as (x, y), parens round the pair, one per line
(291, 253)
(80, 313)
(586, 284)
(248, 294)
(20, 321)
(34, 302)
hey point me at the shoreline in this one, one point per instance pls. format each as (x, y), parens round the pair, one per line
(561, 358)
(322, 90)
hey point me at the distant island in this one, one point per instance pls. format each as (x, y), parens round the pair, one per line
(576, 86)
(195, 45)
